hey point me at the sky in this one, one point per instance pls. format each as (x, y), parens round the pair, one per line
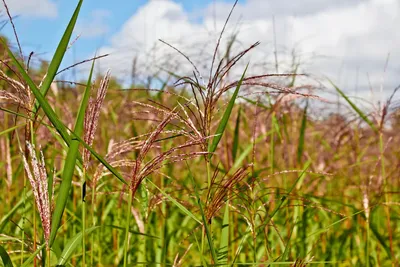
(355, 43)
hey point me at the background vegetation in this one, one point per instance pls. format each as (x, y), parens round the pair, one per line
(199, 173)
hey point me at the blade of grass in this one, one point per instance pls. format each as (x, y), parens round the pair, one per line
(224, 244)
(70, 162)
(72, 244)
(94, 153)
(28, 262)
(5, 257)
(58, 55)
(355, 108)
(303, 127)
(205, 223)
(235, 144)
(225, 118)
(179, 205)
(11, 129)
(60, 127)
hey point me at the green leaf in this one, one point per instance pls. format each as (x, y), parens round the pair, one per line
(303, 127)
(355, 108)
(60, 127)
(70, 162)
(58, 55)
(382, 240)
(179, 205)
(72, 244)
(224, 244)
(4, 256)
(225, 118)
(11, 129)
(27, 263)
(19, 204)
(205, 223)
(235, 144)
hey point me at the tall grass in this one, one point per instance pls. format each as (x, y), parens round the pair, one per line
(213, 174)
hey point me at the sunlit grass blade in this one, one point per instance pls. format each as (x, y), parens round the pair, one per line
(68, 142)
(380, 239)
(12, 129)
(235, 144)
(28, 262)
(5, 257)
(355, 108)
(6, 218)
(60, 127)
(225, 118)
(300, 147)
(59, 54)
(176, 203)
(205, 222)
(224, 243)
(72, 244)
(70, 161)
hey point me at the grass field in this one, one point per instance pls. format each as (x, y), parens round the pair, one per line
(203, 174)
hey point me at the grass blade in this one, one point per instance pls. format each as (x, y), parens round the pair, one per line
(28, 262)
(179, 205)
(225, 117)
(70, 162)
(235, 144)
(59, 54)
(224, 244)
(72, 244)
(205, 223)
(355, 108)
(11, 129)
(4, 256)
(303, 127)
(60, 127)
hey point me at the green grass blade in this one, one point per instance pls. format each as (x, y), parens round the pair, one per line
(205, 223)
(179, 205)
(12, 129)
(284, 198)
(303, 127)
(72, 244)
(94, 153)
(28, 262)
(4, 256)
(224, 244)
(382, 240)
(99, 158)
(60, 127)
(6, 218)
(235, 144)
(59, 54)
(355, 108)
(225, 117)
(70, 162)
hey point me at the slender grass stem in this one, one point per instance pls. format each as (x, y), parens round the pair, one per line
(128, 219)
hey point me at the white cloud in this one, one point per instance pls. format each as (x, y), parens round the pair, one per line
(33, 8)
(351, 36)
(94, 26)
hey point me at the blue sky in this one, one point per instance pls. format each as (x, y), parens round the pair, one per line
(41, 33)
(353, 42)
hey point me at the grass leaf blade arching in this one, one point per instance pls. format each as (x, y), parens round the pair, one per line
(5, 257)
(59, 54)
(70, 161)
(355, 108)
(225, 117)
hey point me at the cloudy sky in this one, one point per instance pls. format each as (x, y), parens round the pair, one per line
(353, 42)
